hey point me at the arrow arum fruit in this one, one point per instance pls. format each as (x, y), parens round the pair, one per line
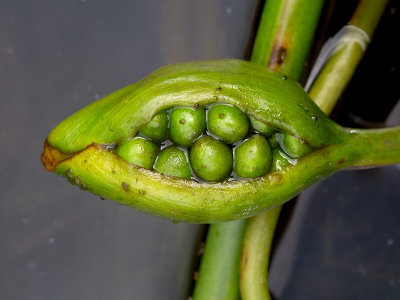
(233, 91)
(253, 157)
(228, 123)
(261, 127)
(273, 141)
(174, 162)
(211, 159)
(157, 129)
(294, 147)
(139, 151)
(279, 160)
(187, 124)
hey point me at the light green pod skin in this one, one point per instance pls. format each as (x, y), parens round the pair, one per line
(157, 129)
(228, 123)
(77, 147)
(292, 146)
(211, 159)
(259, 126)
(253, 157)
(279, 160)
(140, 152)
(173, 161)
(186, 125)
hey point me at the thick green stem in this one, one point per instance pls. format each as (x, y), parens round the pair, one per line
(339, 69)
(219, 270)
(285, 34)
(368, 14)
(374, 147)
(256, 253)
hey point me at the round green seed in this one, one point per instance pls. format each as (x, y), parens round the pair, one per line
(253, 157)
(273, 141)
(157, 129)
(140, 152)
(211, 159)
(173, 161)
(261, 127)
(292, 145)
(228, 123)
(186, 125)
(279, 160)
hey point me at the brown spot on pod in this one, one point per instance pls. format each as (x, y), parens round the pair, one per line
(68, 173)
(125, 186)
(277, 178)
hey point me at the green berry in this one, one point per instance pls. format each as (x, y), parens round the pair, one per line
(211, 159)
(140, 152)
(279, 159)
(292, 145)
(186, 125)
(259, 126)
(228, 123)
(273, 141)
(173, 161)
(157, 129)
(253, 157)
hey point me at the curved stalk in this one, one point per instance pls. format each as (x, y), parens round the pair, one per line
(256, 254)
(338, 70)
(219, 270)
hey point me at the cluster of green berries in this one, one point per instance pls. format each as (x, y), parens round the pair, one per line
(210, 144)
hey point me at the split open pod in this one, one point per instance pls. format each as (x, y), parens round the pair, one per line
(208, 141)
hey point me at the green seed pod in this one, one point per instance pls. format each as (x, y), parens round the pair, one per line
(139, 151)
(78, 145)
(157, 129)
(211, 159)
(273, 141)
(261, 127)
(187, 124)
(173, 161)
(292, 146)
(228, 123)
(279, 159)
(253, 157)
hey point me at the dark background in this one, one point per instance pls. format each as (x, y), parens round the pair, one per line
(57, 242)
